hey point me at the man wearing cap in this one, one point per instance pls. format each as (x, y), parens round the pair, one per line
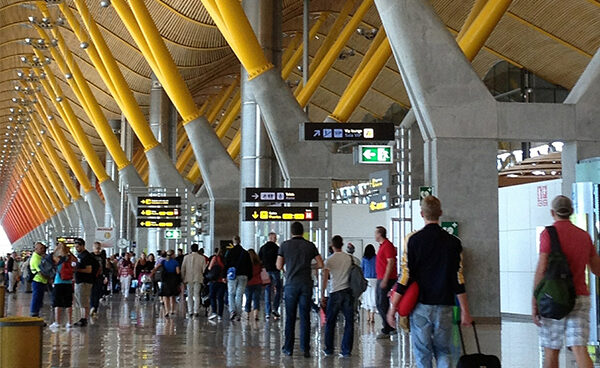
(577, 246)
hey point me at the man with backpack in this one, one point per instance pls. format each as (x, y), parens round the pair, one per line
(39, 282)
(432, 259)
(238, 267)
(577, 247)
(338, 269)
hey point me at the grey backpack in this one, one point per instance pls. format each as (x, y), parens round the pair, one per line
(356, 278)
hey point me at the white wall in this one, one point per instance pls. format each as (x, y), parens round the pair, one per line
(357, 225)
(521, 218)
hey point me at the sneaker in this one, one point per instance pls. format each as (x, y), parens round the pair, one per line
(238, 317)
(68, 326)
(191, 315)
(327, 353)
(276, 315)
(219, 318)
(233, 316)
(197, 315)
(267, 317)
(54, 326)
(342, 355)
(212, 316)
(81, 323)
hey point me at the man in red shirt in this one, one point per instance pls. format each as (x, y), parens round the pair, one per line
(577, 246)
(387, 274)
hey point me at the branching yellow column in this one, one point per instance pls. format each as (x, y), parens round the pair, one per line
(478, 32)
(212, 115)
(333, 53)
(37, 196)
(44, 183)
(59, 137)
(295, 58)
(49, 173)
(56, 94)
(115, 79)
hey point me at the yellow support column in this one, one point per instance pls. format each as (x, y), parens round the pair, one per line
(88, 101)
(37, 196)
(128, 104)
(333, 53)
(61, 141)
(355, 92)
(293, 61)
(45, 186)
(212, 115)
(475, 36)
(73, 125)
(50, 175)
(234, 147)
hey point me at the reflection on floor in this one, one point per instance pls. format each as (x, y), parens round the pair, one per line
(131, 334)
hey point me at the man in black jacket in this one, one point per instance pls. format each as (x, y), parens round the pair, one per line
(268, 256)
(432, 259)
(239, 270)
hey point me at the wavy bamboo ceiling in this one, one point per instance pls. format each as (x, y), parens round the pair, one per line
(555, 39)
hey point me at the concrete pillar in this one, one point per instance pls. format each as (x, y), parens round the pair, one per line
(458, 118)
(468, 195)
(572, 154)
(172, 128)
(256, 154)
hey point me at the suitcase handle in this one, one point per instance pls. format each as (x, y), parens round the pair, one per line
(462, 341)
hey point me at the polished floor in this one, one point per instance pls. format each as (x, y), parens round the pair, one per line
(134, 334)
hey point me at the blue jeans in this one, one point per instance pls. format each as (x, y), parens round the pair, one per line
(217, 297)
(275, 284)
(340, 301)
(431, 335)
(253, 297)
(236, 289)
(297, 296)
(37, 298)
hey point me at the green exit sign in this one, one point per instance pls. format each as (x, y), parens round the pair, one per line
(374, 154)
(173, 234)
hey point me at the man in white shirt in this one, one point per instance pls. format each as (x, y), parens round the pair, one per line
(192, 272)
(341, 299)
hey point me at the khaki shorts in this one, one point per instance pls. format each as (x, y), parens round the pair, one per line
(574, 329)
(83, 292)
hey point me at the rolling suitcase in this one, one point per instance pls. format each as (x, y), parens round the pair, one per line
(476, 360)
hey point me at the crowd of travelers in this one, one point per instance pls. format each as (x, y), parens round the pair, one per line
(250, 283)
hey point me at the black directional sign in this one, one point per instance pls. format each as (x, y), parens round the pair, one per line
(281, 213)
(159, 212)
(158, 201)
(347, 132)
(160, 223)
(282, 195)
(68, 240)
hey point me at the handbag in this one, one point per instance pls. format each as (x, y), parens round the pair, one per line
(265, 278)
(214, 273)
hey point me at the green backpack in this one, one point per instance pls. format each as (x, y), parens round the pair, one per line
(555, 294)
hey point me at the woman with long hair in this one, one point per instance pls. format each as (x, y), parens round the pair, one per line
(62, 292)
(217, 285)
(170, 282)
(368, 297)
(254, 287)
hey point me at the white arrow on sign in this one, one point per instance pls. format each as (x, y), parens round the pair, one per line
(255, 195)
(369, 154)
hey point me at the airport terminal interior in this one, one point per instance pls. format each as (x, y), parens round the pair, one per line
(134, 127)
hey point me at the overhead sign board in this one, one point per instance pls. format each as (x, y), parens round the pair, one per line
(282, 195)
(374, 154)
(158, 223)
(158, 201)
(172, 234)
(425, 192)
(281, 213)
(347, 132)
(68, 240)
(159, 212)
(379, 202)
(380, 181)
